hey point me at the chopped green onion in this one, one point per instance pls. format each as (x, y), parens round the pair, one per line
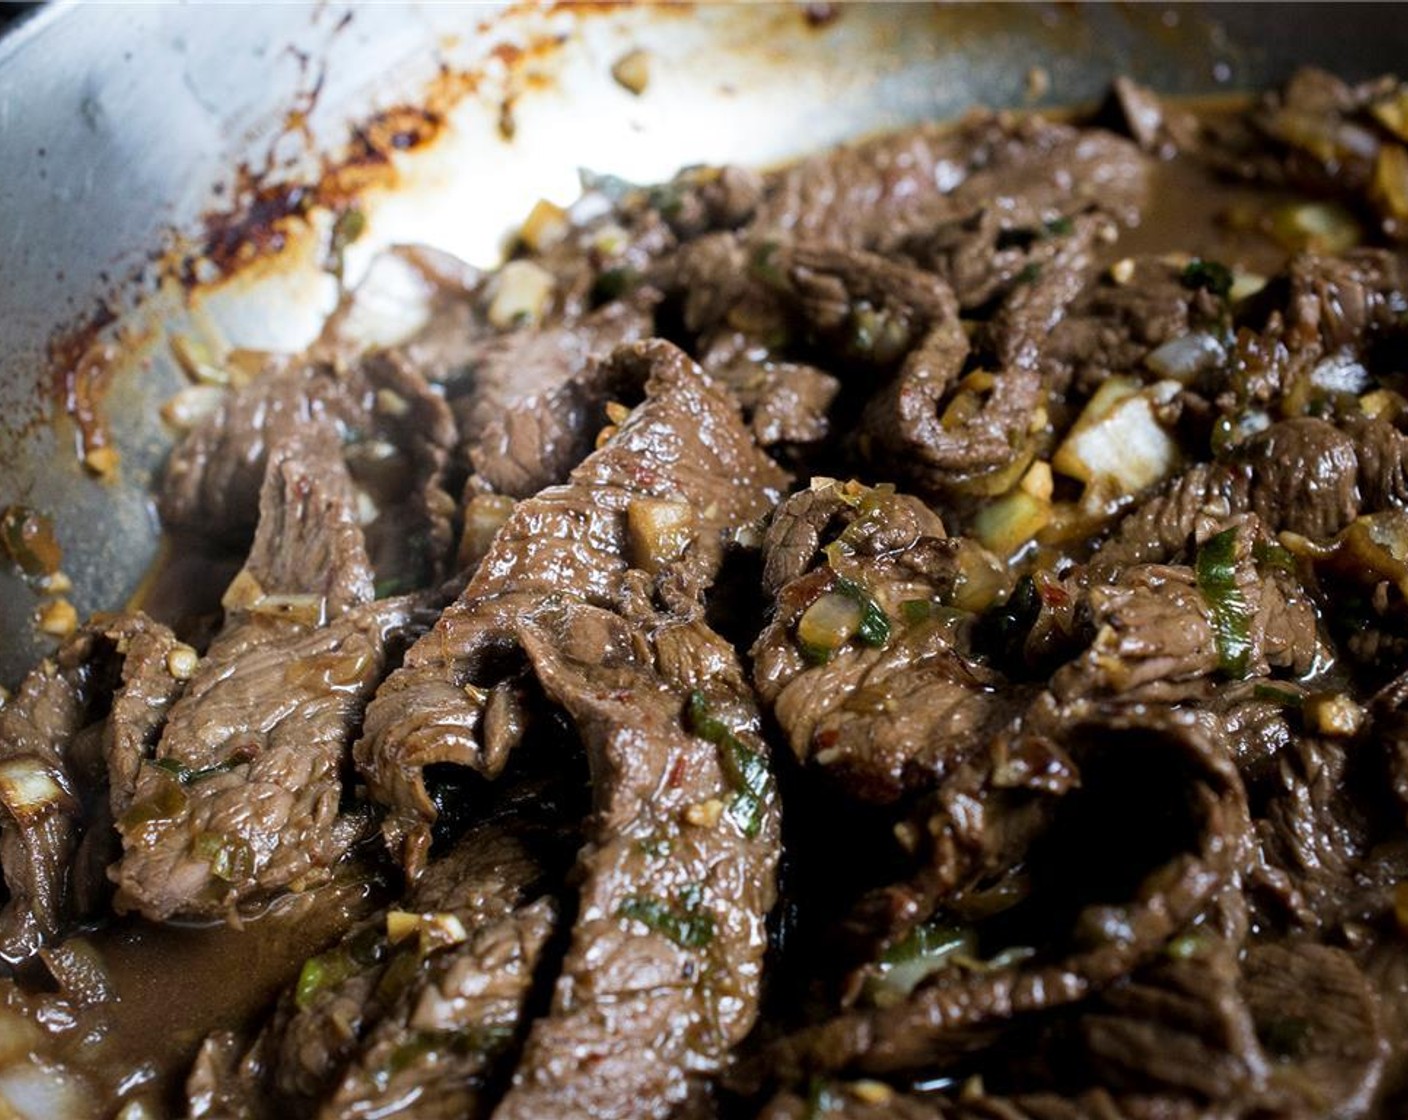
(688, 926)
(1208, 275)
(745, 769)
(874, 629)
(1277, 695)
(1059, 227)
(1270, 554)
(1216, 570)
(188, 775)
(1029, 273)
(615, 283)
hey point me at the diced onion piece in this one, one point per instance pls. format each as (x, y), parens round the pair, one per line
(57, 618)
(243, 593)
(632, 71)
(484, 516)
(1389, 187)
(191, 405)
(981, 578)
(1118, 437)
(1038, 481)
(1185, 357)
(28, 788)
(1377, 544)
(1383, 404)
(1320, 227)
(544, 227)
(828, 624)
(657, 532)
(18, 1037)
(1392, 112)
(102, 462)
(27, 538)
(304, 609)
(927, 950)
(1245, 285)
(522, 290)
(1008, 523)
(401, 924)
(36, 1090)
(1332, 713)
(198, 361)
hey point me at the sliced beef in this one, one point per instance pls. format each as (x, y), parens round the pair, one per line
(96, 705)
(1127, 314)
(875, 1100)
(1312, 839)
(1133, 764)
(1180, 1027)
(882, 705)
(410, 1012)
(1159, 128)
(1319, 1019)
(946, 433)
(678, 873)
(242, 797)
(1159, 627)
(679, 472)
(538, 397)
(876, 193)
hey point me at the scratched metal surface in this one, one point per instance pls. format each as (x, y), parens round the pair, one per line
(120, 127)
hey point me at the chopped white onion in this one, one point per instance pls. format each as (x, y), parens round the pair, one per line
(522, 290)
(34, 1090)
(28, 788)
(1118, 438)
(1185, 357)
(1341, 373)
(191, 405)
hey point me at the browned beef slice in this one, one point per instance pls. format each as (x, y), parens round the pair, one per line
(942, 432)
(1157, 628)
(875, 1100)
(685, 446)
(381, 410)
(784, 403)
(1130, 761)
(73, 718)
(1312, 840)
(1316, 1014)
(1180, 1026)
(1156, 126)
(875, 193)
(678, 873)
(881, 712)
(538, 396)
(376, 1026)
(242, 797)
(1115, 324)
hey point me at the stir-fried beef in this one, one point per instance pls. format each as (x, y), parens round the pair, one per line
(412, 1010)
(680, 472)
(242, 795)
(677, 874)
(108, 688)
(1068, 781)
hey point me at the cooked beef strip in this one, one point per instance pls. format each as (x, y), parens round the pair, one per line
(685, 446)
(242, 797)
(1157, 627)
(952, 1010)
(677, 874)
(411, 1026)
(538, 397)
(945, 439)
(55, 822)
(880, 714)
(875, 193)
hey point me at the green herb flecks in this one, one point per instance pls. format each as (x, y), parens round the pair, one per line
(746, 770)
(1208, 275)
(874, 627)
(1216, 571)
(687, 924)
